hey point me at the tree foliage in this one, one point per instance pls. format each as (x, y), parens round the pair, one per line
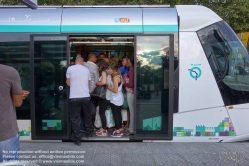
(234, 12)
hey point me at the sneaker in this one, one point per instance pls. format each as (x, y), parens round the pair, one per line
(102, 133)
(99, 131)
(115, 134)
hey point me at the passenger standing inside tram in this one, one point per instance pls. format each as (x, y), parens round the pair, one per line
(117, 98)
(82, 126)
(93, 68)
(78, 78)
(129, 85)
(105, 78)
(124, 71)
(102, 56)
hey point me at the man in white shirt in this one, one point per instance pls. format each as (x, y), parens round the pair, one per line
(94, 71)
(78, 78)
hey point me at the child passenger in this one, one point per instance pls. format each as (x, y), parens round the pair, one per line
(123, 69)
(117, 98)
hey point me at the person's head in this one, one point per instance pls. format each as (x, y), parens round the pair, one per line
(101, 56)
(124, 61)
(119, 63)
(79, 60)
(92, 57)
(102, 65)
(129, 61)
(113, 68)
(107, 60)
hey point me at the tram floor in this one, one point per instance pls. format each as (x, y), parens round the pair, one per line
(108, 137)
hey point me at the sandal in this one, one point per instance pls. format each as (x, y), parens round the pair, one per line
(127, 132)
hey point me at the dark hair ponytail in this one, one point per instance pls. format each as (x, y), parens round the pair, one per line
(131, 58)
(102, 64)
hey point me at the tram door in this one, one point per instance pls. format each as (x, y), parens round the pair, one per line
(49, 109)
(154, 91)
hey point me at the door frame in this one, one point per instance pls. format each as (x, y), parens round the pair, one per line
(171, 89)
(32, 90)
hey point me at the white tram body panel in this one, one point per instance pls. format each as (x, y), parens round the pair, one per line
(202, 114)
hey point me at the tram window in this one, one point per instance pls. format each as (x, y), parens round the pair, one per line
(220, 57)
(229, 61)
(153, 89)
(16, 54)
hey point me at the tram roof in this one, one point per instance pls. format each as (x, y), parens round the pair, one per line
(90, 19)
(126, 19)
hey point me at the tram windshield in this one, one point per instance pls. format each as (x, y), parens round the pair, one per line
(228, 59)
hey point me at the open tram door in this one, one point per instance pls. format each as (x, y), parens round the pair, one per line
(49, 92)
(154, 88)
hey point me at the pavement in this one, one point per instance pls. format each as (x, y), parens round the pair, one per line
(136, 153)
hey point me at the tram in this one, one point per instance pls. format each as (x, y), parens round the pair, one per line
(189, 62)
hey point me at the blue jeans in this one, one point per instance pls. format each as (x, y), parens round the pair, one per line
(12, 144)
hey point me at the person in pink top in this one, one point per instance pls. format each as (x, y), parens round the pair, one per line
(129, 85)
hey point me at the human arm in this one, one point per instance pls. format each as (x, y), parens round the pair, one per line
(17, 94)
(18, 98)
(131, 79)
(68, 77)
(89, 79)
(68, 81)
(114, 89)
(103, 79)
(96, 74)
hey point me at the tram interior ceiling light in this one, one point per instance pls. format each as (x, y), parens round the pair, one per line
(29, 3)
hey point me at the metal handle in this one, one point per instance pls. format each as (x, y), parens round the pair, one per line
(60, 87)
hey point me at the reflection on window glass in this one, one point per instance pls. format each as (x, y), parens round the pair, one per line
(152, 85)
(16, 54)
(229, 61)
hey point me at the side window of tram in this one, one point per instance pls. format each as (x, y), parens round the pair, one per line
(229, 61)
(16, 54)
(219, 62)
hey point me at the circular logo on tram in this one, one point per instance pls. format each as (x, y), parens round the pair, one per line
(195, 72)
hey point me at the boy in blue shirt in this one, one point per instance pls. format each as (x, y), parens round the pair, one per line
(124, 70)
